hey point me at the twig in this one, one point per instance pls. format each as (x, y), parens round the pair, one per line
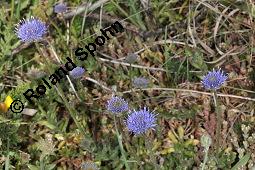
(222, 13)
(68, 78)
(229, 53)
(96, 82)
(194, 91)
(171, 42)
(131, 65)
(83, 7)
(138, 66)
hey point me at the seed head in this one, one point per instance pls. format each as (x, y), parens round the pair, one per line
(31, 29)
(214, 79)
(138, 122)
(117, 105)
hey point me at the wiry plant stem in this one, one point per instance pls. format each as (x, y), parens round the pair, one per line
(218, 117)
(205, 158)
(123, 153)
(72, 111)
(41, 162)
(149, 146)
(59, 61)
(131, 85)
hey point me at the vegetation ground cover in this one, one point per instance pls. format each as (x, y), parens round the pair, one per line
(142, 102)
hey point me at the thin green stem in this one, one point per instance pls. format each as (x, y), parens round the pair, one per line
(120, 144)
(128, 16)
(7, 161)
(205, 158)
(41, 162)
(12, 8)
(149, 146)
(59, 61)
(218, 117)
(72, 111)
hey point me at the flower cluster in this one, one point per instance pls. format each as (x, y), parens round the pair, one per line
(77, 72)
(140, 82)
(117, 105)
(214, 80)
(138, 122)
(60, 8)
(31, 29)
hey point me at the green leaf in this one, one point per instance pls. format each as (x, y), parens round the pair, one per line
(197, 61)
(50, 166)
(32, 167)
(242, 162)
(24, 4)
(46, 123)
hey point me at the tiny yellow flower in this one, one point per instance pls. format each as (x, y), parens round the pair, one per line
(8, 101)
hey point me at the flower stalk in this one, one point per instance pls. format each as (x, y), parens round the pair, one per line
(123, 153)
(218, 117)
(62, 95)
(206, 143)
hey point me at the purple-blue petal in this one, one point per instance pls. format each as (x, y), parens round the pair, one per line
(214, 79)
(117, 105)
(31, 29)
(59, 8)
(138, 122)
(77, 72)
(140, 82)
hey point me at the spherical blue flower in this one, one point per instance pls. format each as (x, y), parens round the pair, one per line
(59, 8)
(89, 166)
(117, 105)
(31, 29)
(140, 121)
(140, 82)
(214, 79)
(77, 72)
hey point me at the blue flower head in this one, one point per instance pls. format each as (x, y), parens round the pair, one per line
(214, 79)
(60, 8)
(77, 72)
(89, 166)
(131, 58)
(138, 122)
(140, 82)
(117, 105)
(31, 29)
